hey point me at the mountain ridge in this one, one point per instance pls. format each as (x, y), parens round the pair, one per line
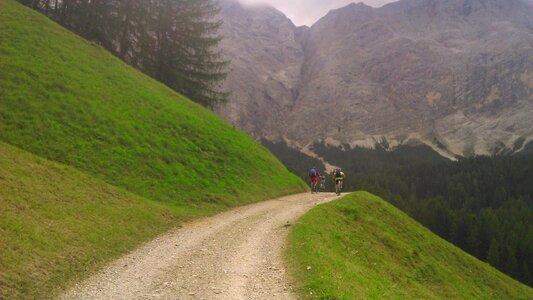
(443, 73)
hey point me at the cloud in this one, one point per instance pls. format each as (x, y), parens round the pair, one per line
(306, 12)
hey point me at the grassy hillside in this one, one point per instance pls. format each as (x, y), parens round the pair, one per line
(70, 101)
(57, 223)
(361, 247)
(104, 158)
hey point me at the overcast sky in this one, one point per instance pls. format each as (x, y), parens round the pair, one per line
(306, 12)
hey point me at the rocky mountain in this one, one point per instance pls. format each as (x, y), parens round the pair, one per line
(266, 56)
(453, 74)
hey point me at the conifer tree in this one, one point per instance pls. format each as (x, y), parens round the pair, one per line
(197, 68)
(493, 257)
(511, 264)
(526, 275)
(472, 241)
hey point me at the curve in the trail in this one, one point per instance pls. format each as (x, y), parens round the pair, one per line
(233, 255)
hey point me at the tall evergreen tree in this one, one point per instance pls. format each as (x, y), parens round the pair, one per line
(511, 264)
(527, 276)
(199, 68)
(472, 240)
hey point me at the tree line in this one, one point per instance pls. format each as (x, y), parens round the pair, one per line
(294, 160)
(484, 205)
(173, 41)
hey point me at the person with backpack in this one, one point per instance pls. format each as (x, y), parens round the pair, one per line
(314, 175)
(339, 176)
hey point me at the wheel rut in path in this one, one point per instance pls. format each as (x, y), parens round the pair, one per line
(233, 255)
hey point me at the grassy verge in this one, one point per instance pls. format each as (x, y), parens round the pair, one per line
(361, 247)
(57, 223)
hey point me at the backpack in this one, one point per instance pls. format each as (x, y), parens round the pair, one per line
(338, 173)
(312, 173)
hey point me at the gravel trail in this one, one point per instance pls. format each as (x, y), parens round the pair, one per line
(233, 255)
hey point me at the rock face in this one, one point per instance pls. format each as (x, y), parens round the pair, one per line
(266, 60)
(454, 74)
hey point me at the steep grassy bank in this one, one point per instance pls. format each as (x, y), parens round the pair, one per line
(361, 247)
(70, 101)
(57, 223)
(126, 157)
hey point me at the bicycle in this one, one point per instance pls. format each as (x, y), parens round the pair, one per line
(338, 186)
(314, 187)
(322, 185)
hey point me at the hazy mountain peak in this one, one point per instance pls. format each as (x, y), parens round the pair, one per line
(359, 5)
(352, 8)
(263, 9)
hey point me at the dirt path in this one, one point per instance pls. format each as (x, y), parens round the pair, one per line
(233, 255)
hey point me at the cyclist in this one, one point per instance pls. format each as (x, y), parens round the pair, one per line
(314, 176)
(339, 176)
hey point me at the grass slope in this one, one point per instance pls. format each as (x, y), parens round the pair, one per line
(361, 247)
(70, 101)
(57, 223)
(126, 157)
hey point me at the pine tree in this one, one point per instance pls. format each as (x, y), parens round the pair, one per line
(511, 264)
(493, 257)
(526, 276)
(189, 60)
(472, 241)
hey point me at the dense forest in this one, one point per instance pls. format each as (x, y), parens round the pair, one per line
(173, 41)
(483, 205)
(295, 161)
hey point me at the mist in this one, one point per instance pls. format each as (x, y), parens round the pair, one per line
(307, 12)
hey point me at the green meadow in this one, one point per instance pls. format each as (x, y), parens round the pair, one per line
(361, 247)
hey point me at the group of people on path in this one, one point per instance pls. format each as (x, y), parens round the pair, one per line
(318, 180)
